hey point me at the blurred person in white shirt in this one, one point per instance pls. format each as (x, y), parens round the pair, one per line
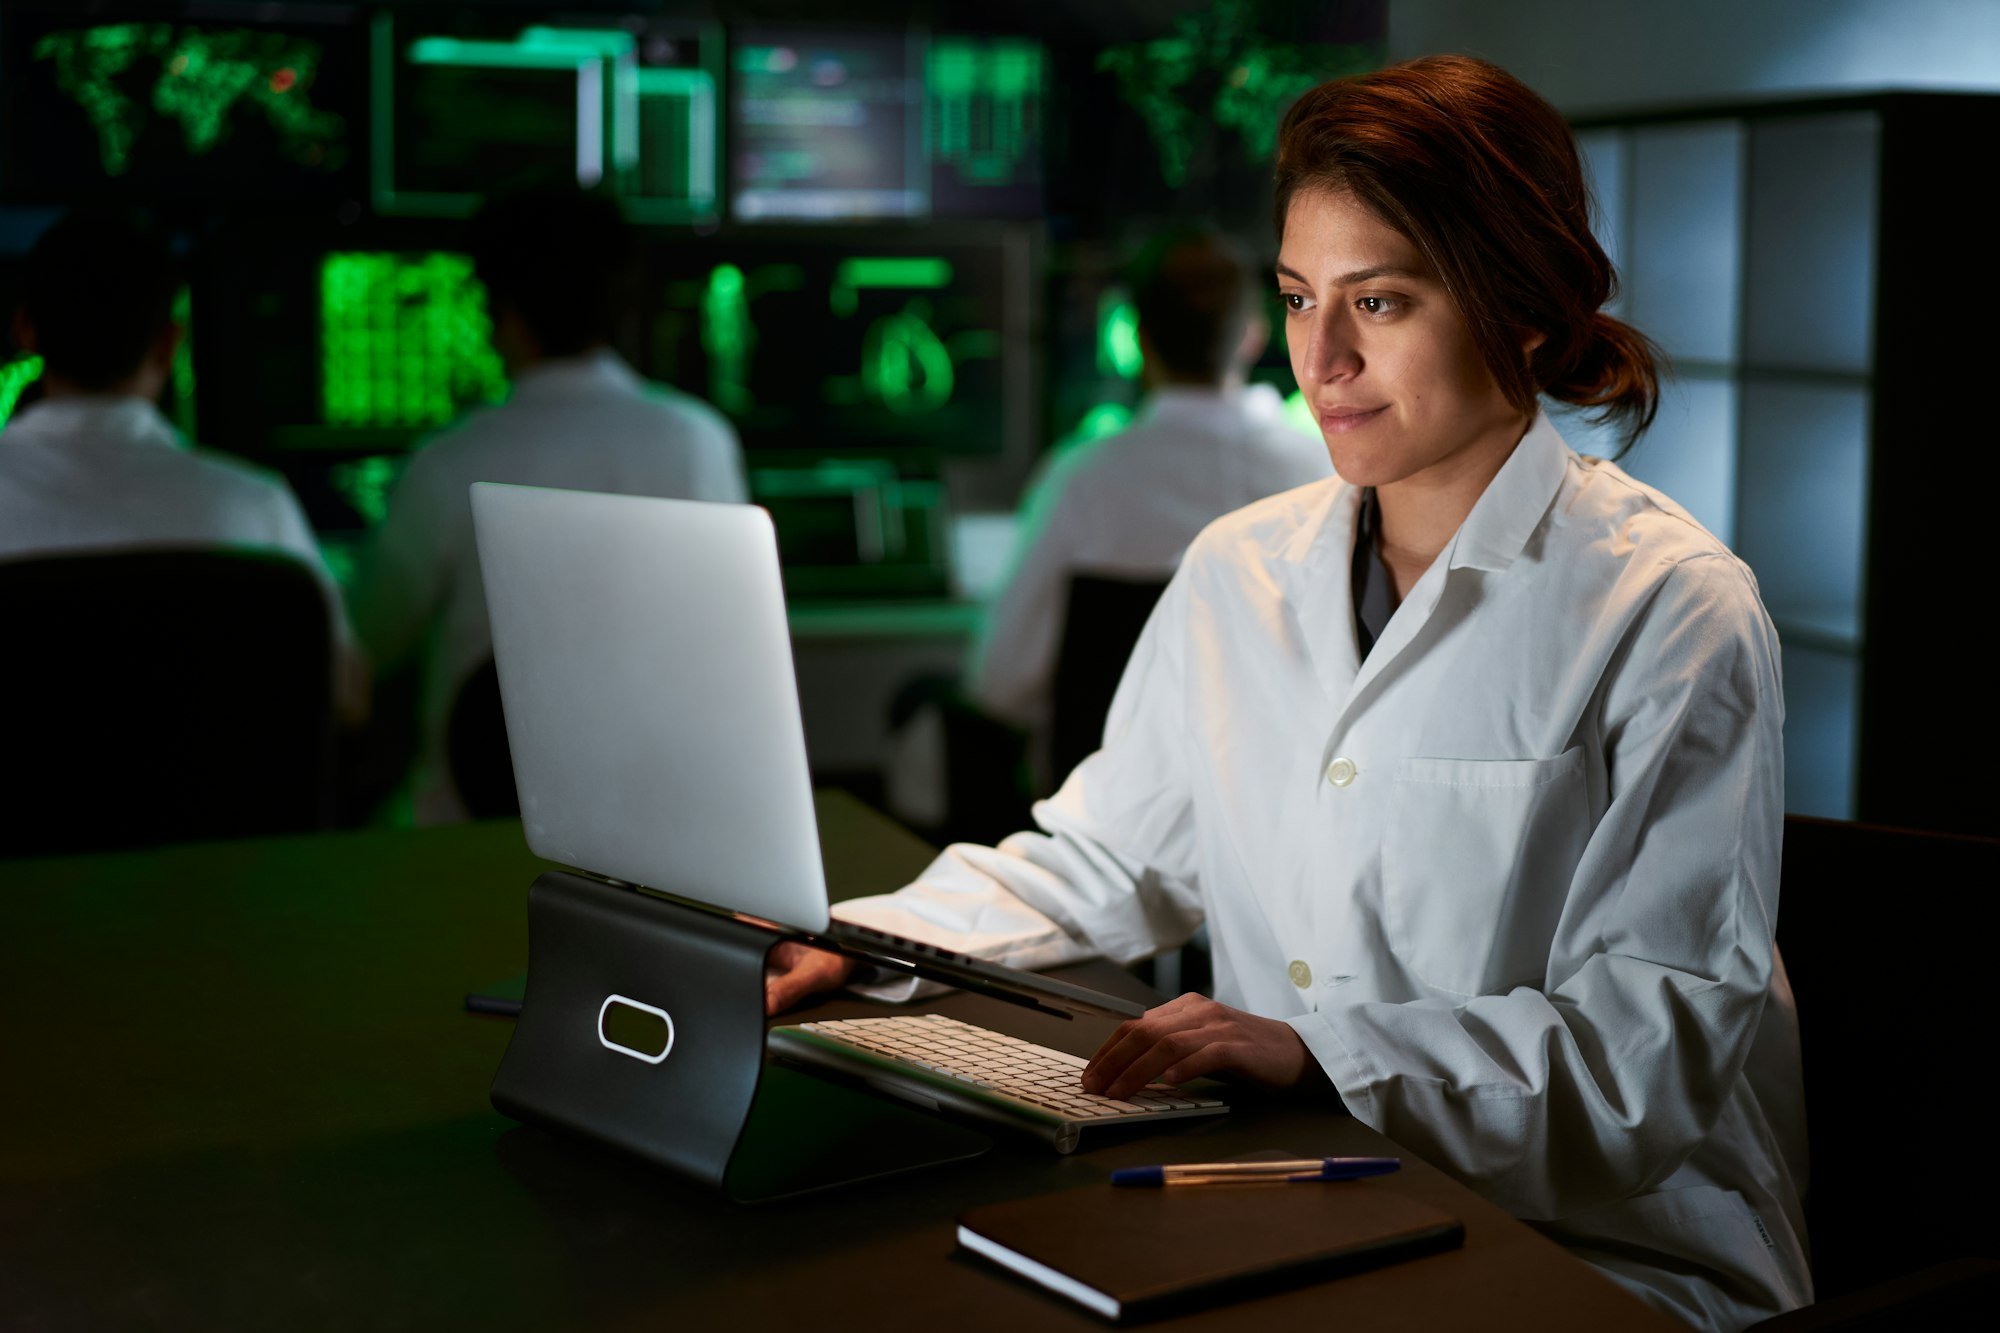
(556, 264)
(1127, 505)
(93, 464)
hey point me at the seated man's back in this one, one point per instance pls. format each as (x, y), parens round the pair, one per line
(94, 464)
(110, 471)
(578, 418)
(1128, 505)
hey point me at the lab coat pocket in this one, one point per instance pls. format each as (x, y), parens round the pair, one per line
(1476, 864)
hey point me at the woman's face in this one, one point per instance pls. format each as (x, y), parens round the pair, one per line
(1380, 351)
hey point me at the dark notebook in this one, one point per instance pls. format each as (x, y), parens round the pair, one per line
(1132, 1254)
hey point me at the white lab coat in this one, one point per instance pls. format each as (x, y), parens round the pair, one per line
(1513, 880)
(105, 471)
(585, 423)
(1128, 505)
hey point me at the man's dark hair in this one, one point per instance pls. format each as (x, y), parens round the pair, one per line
(561, 258)
(1195, 296)
(98, 289)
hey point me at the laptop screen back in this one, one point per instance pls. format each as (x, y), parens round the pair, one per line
(646, 672)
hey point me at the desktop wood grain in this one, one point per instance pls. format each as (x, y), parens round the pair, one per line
(239, 1092)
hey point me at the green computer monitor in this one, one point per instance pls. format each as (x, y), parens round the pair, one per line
(813, 344)
(833, 125)
(490, 102)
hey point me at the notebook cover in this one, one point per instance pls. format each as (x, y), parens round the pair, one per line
(1164, 1250)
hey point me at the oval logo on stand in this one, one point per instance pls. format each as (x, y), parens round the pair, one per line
(633, 1028)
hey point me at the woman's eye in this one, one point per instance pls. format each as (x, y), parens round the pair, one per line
(1293, 301)
(1376, 305)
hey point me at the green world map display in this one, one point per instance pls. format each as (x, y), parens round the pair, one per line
(1219, 70)
(126, 76)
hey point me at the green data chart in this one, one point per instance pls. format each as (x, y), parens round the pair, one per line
(985, 106)
(406, 340)
(15, 377)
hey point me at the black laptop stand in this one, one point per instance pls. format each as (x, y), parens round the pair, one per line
(643, 1028)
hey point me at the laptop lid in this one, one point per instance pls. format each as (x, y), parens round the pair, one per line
(646, 674)
(645, 671)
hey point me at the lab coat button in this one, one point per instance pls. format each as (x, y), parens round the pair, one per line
(1340, 772)
(1301, 975)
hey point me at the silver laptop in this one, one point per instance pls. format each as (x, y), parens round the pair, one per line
(646, 675)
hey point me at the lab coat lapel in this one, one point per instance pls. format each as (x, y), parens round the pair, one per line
(1323, 593)
(1403, 626)
(1491, 537)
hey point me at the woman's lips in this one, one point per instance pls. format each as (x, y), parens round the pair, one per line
(1342, 419)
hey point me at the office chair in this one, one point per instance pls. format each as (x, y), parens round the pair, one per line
(1886, 936)
(162, 695)
(1100, 628)
(988, 787)
(482, 761)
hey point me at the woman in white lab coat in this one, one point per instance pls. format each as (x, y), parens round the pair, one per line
(1483, 809)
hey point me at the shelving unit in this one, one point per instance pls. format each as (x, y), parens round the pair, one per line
(1819, 275)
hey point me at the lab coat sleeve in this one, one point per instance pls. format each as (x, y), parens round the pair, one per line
(1600, 1084)
(1110, 868)
(1014, 657)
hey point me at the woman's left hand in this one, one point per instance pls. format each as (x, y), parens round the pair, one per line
(1194, 1036)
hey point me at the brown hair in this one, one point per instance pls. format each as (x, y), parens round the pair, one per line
(1482, 176)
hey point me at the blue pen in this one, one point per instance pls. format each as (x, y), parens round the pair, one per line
(1257, 1173)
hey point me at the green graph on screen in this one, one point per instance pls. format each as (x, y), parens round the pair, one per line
(183, 368)
(892, 315)
(1101, 420)
(728, 336)
(904, 364)
(406, 340)
(16, 376)
(123, 75)
(985, 98)
(365, 483)
(1118, 349)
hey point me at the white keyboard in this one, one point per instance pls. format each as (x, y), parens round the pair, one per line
(944, 1064)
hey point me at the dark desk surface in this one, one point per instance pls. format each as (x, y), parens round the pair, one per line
(237, 1090)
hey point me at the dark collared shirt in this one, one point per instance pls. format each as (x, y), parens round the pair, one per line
(1374, 593)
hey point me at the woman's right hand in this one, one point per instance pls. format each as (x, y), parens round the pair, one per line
(794, 971)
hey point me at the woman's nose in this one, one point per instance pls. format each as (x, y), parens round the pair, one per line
(1332, 352)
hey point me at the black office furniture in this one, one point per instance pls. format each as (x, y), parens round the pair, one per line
(1101, 624)
(1885, 935)
(258, 1104)
(162, 695)
(1956, 1297)
(989, 775)
(1827, 415)
(987, 789)
(481, 760)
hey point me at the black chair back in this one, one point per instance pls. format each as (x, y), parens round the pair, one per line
(1100, 628)
(1885, 934)
(160, 696)
(482, 762)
